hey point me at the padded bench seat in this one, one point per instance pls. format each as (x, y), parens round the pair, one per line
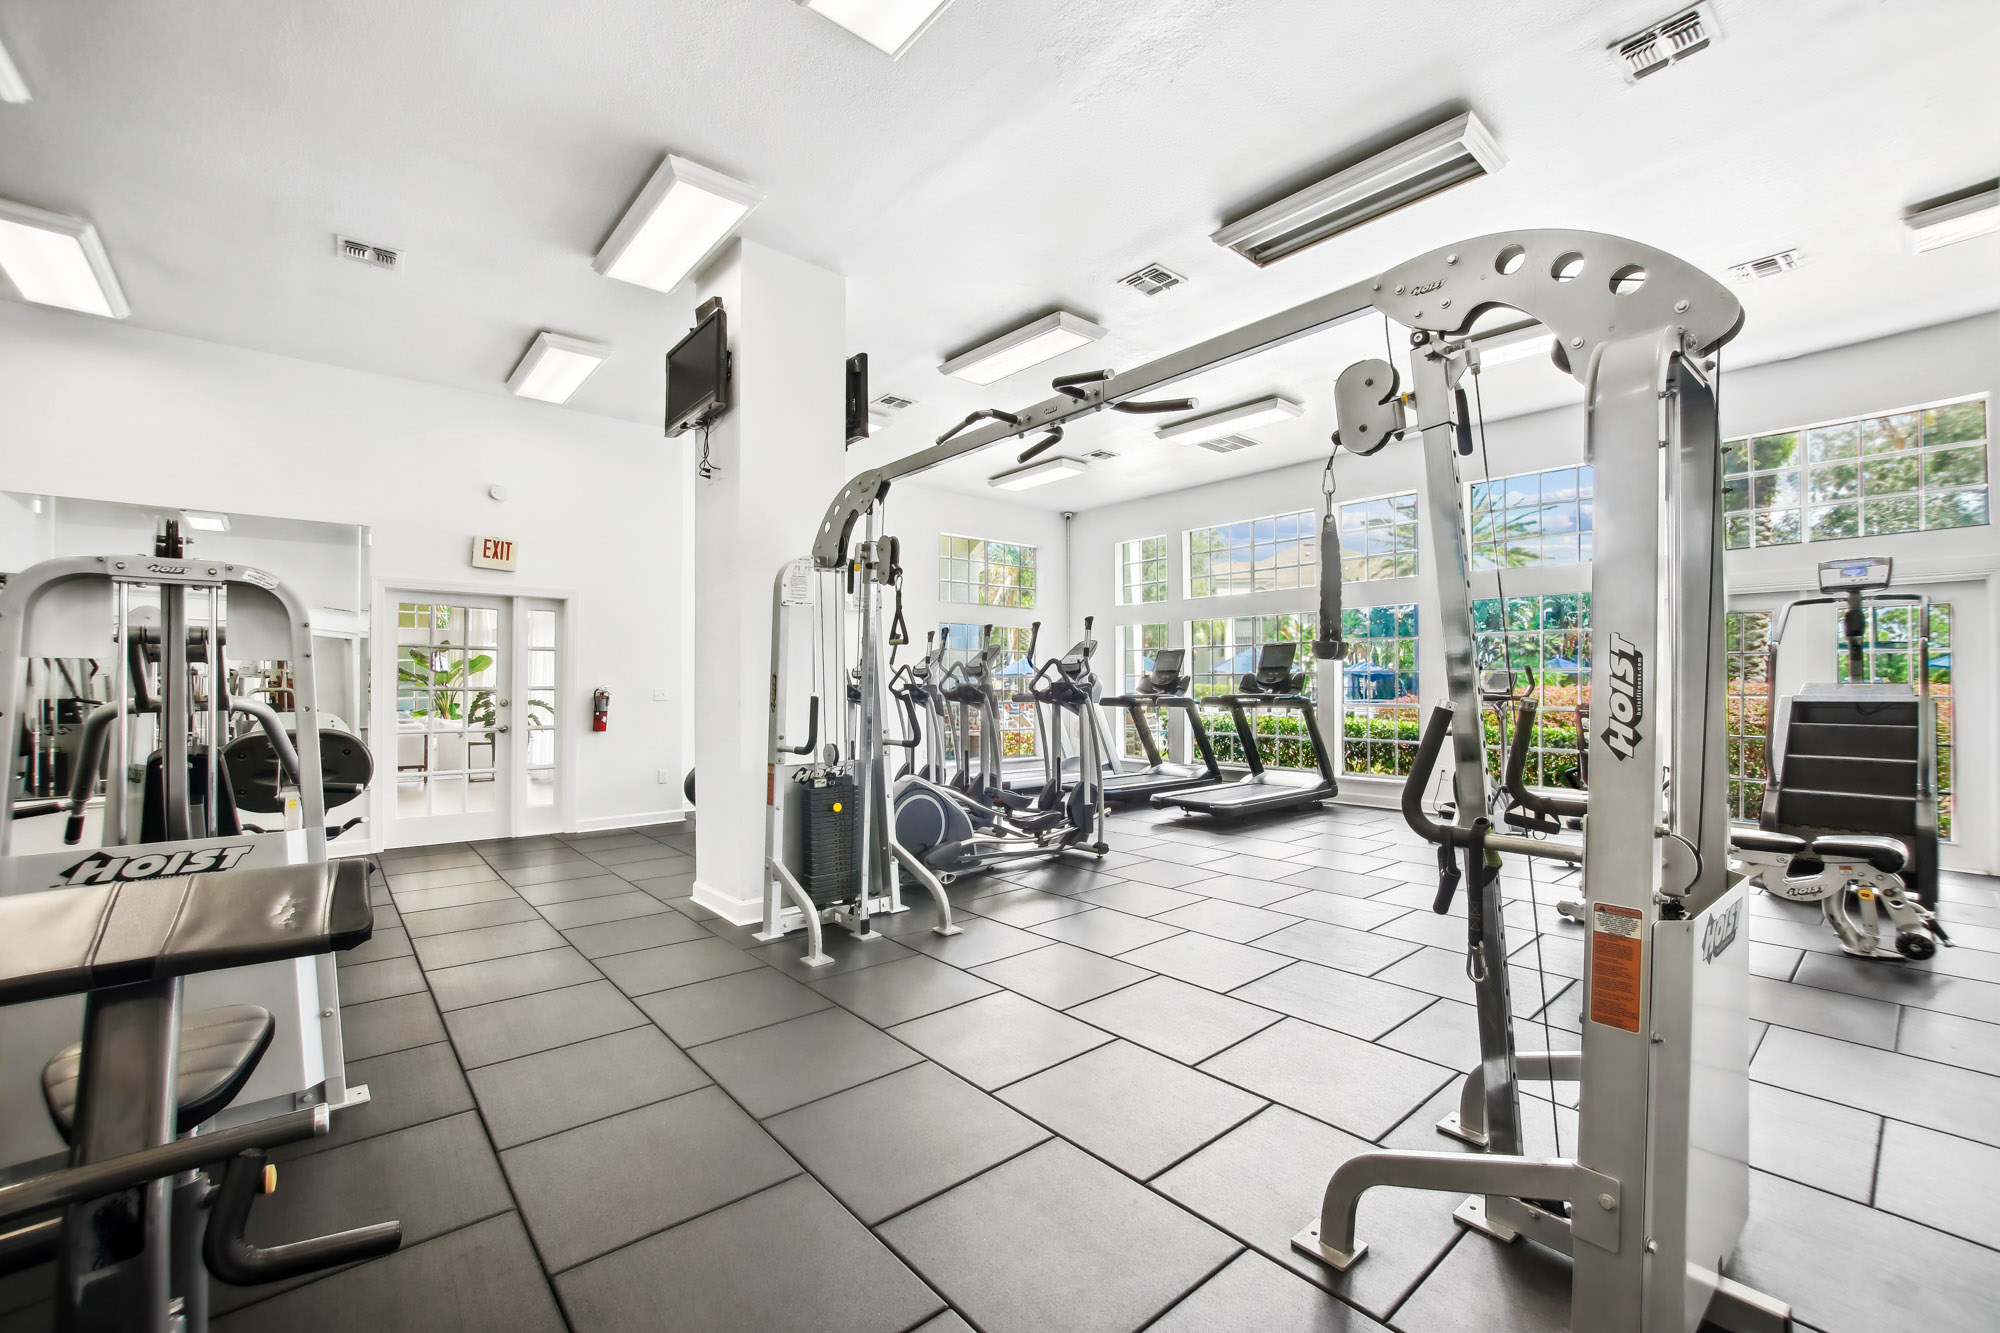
(220, 1049)
(1884, 854)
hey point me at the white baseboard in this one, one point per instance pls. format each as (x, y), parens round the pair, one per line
(1370, 793)
(643, 817)
(736, 911)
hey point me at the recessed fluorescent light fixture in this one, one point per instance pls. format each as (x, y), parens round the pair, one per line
(682, 217)
(1450, 154)
(1029, 345)
(53, 259)
(12, 87)
(206, 522)
(1230, 420)
(1961, 219)
(890, 26)
(556, 367)
(1039, 474)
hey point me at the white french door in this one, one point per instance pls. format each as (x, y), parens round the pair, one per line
(475, 716)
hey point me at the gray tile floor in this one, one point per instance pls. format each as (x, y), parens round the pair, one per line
(1107, 1105)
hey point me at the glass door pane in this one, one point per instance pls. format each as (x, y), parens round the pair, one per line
(453, 676)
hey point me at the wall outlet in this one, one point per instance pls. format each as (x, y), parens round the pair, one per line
(659, 695)
(662, 775)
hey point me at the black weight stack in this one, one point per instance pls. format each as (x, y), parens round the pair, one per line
(830, 817)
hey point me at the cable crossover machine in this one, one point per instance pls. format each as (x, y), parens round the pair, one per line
(1652, 1199)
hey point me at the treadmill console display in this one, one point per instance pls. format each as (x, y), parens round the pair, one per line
(1866, 574)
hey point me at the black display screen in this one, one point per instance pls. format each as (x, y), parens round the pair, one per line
(698, 376)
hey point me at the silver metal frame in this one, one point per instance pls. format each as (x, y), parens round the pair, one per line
(1657, 1208)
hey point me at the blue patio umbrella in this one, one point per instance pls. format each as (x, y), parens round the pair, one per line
(1562, 665)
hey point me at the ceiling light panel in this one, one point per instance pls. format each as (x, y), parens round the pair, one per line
(1029, 345)
(1959, 220)
(1038, 474)
(12, 87)
(1230, 420)
(682, 217)
(53, 259)
(1457, 151)
(556, 367)
(890, 26)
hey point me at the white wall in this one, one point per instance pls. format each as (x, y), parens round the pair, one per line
(1947, 361)
(106, 411)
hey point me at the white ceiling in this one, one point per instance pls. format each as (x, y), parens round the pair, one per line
(1023, 156)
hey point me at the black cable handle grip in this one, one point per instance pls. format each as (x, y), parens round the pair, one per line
(1514, 783)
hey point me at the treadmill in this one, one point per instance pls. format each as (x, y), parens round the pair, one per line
(1165, 686)
(1273, 685)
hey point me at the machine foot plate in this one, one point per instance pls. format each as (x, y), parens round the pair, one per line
(1451, 1128)
(1307, 1243)
(1473, 1216)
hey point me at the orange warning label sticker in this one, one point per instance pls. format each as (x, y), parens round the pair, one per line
(1616, 952)
(770, 784)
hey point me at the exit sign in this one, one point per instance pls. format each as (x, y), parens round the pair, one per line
(492, 553)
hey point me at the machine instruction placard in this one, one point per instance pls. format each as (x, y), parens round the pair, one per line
(1616, 955)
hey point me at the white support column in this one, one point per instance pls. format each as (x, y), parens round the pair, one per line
(779, 458)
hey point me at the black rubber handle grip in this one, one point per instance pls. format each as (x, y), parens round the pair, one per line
(1436, 728)
(1156, 407)
(812, 729)
(1514, 781)
(234, 1260)
(983, 414)
(1069, 384)
(1041, 446)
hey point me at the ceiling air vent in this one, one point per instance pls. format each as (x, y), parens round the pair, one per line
(890, 402)
(1648, 52)
(1770, 266)
(361, 252)
(1228, 444)
(1100, 454)
(1152, 279)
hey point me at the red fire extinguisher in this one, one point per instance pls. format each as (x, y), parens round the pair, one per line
(600, 710)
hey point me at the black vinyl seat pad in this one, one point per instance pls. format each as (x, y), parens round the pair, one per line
(219, 1052)
(90, 937)
(1884, 854)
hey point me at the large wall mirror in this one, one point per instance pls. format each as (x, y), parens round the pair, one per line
(325, 564)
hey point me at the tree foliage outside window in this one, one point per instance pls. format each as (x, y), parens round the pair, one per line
(1889, 655)
(1746, 636)
(1137, 645)
(1142, 571)
(1537, 518)
(1379, 705)
(1545, 637)
(1378, 538)
(1915, 471)
(1256, 555)
(1221, 653)
(986, 573)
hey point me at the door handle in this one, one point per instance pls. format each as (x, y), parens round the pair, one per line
(501, 727)
(505, 702)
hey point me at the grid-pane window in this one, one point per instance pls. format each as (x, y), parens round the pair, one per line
(447, 669)
(1378, 538)
(1142, 571)
(541, 714)
(1379, 716)
(1136, 646)
(1889, 653)
(1256, 555)
(1746, 637)
(1546, 639)
(1017, 721)
(985, 573)
(1537, 518)
(1221, 653)
(1915, 471)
